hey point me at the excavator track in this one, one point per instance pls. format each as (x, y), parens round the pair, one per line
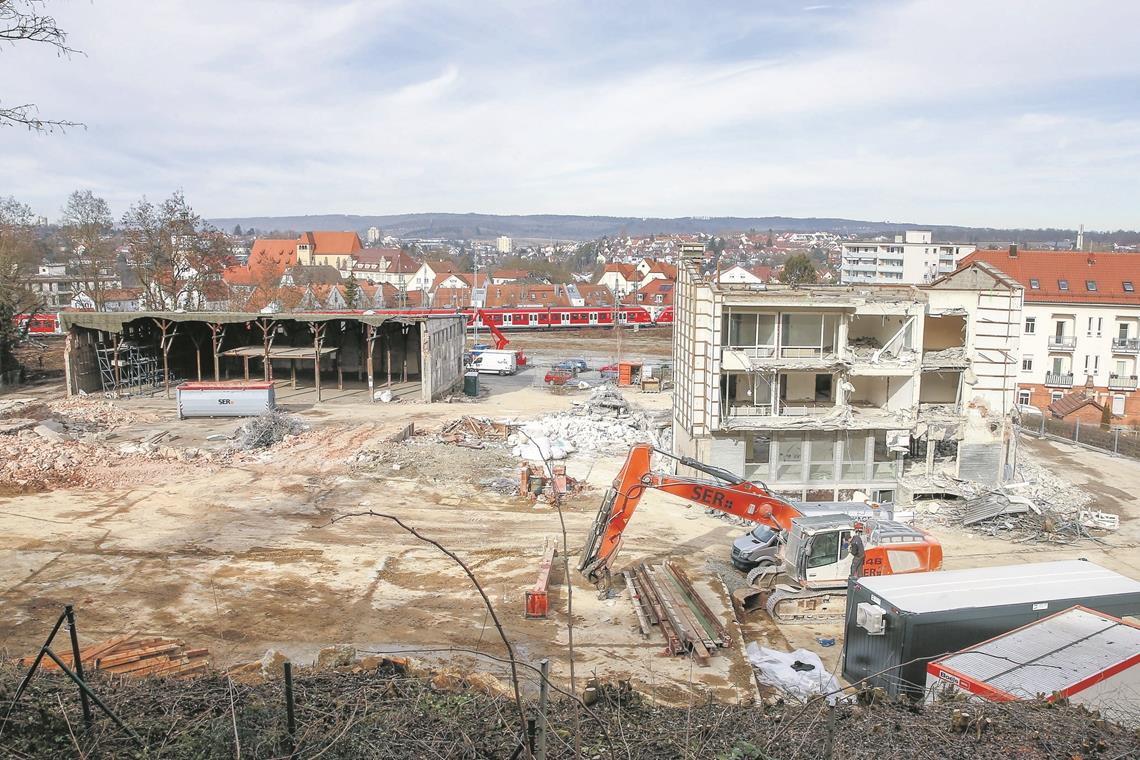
(790, 605)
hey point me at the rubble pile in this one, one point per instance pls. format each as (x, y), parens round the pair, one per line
(605, 422)
(266, 429)
(36, 460)
(437, 462)
(89, 414)
(1035, 507)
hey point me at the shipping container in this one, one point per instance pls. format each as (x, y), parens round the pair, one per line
(227, 399)
(897, 624)
(1084, 656)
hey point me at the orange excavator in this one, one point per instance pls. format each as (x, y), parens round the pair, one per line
(820, 552)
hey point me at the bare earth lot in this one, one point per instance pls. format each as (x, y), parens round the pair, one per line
(238, 554)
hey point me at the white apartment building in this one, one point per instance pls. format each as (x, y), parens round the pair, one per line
(822, 391)
(503, 244)
(1080, 327)
(912, 258)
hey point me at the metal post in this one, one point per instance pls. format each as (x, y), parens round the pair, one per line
(290, 721)
(543, 693)
(1042, 424)
(1116, 441)
(76, 660)
(1077, 432)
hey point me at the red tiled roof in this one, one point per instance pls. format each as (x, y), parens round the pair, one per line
(628, 271)
(331, 243)
(268, 260)
(663, 267)
(1070, 403)
(1108, 271)
(510, 274)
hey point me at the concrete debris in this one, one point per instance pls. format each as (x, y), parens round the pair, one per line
(606, 422)
(338, 656)
(436, 462)
(267, 429)
(1036, 507)
(947, 357)
(89, 414)
(1091, 518)
(13, 404)
(34, 463)
(50, 430)
(15, 425)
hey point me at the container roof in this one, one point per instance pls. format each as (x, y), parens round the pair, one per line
(1054, 654)
(998, 586)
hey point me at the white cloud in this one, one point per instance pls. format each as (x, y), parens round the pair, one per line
(924, 110)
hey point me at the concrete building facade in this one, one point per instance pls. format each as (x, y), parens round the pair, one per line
(820, 392)
(911, 258)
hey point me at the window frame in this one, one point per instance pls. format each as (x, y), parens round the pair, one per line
(1034, 283)
(1063, 285)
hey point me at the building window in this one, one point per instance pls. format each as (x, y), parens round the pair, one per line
(1023, 397)
(1030, 325)
(1055, 396)
(1027, 364)
(1118, 405)
(1034, 283)
(1090, 286)
(1062, 284)
(1128, 287)
(1092, 364)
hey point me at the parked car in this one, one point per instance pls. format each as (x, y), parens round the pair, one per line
(558, 375)
(609, 372)
(580, 364)
(567, 365)
(759, 546)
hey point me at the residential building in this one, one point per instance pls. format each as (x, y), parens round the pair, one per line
(1081, 326)
(503, 276)
(503, 244)
(912, 257)
(622, 279)
(738, 273)
(373, 235)
(824, 391)
(389, 265)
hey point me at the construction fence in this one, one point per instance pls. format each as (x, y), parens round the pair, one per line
(1118, 442)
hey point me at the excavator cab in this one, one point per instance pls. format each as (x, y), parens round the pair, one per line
(817, 553)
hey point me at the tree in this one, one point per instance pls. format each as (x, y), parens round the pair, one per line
(87, 224)
(351, 292)
(1106, 414)
(17, 257)
(770, 241)
(237, 230)
(798, 270)
(21, 21)
(173, 253)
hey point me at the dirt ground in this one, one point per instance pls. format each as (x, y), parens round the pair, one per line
(241, 554)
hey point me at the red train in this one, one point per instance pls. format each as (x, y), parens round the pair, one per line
(510, 318)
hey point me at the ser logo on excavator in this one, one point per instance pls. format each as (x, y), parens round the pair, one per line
(711, 496)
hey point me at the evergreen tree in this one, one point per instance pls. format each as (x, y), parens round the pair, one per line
(798, 270)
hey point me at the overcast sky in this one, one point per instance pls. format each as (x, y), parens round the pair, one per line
(977, 112)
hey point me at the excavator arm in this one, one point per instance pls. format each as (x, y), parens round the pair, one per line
(734, 496)
(501, 340)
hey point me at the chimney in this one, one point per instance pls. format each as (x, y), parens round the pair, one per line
(1013, 250)
(1092, 259)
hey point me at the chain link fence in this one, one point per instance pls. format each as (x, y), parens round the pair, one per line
(1115, 441)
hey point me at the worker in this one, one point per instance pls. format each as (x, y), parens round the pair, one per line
(855, 549)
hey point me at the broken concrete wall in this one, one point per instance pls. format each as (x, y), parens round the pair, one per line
(442, 349)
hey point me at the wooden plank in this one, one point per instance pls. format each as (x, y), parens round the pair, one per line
(136, 654)
(705, 613)
(100, 649)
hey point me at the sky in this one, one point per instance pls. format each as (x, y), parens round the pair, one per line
(1005, 113)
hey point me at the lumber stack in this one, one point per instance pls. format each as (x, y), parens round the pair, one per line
(133, 655)
(663, 596)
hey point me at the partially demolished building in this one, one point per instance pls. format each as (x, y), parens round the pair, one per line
(823, 391)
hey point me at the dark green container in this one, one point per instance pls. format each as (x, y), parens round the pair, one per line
(471, 384)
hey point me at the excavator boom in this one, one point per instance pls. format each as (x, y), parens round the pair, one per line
(738, 497)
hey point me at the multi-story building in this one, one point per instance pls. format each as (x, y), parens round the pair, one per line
(1080, 327)
(503, 244)
(823, 391)
(912, 257)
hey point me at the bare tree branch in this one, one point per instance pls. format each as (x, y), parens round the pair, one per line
(23, 21)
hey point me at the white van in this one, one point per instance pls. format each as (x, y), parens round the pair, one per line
(491, 361)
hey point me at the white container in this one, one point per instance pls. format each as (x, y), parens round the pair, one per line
(236, 399)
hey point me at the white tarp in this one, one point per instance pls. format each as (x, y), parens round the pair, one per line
(775, 668)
